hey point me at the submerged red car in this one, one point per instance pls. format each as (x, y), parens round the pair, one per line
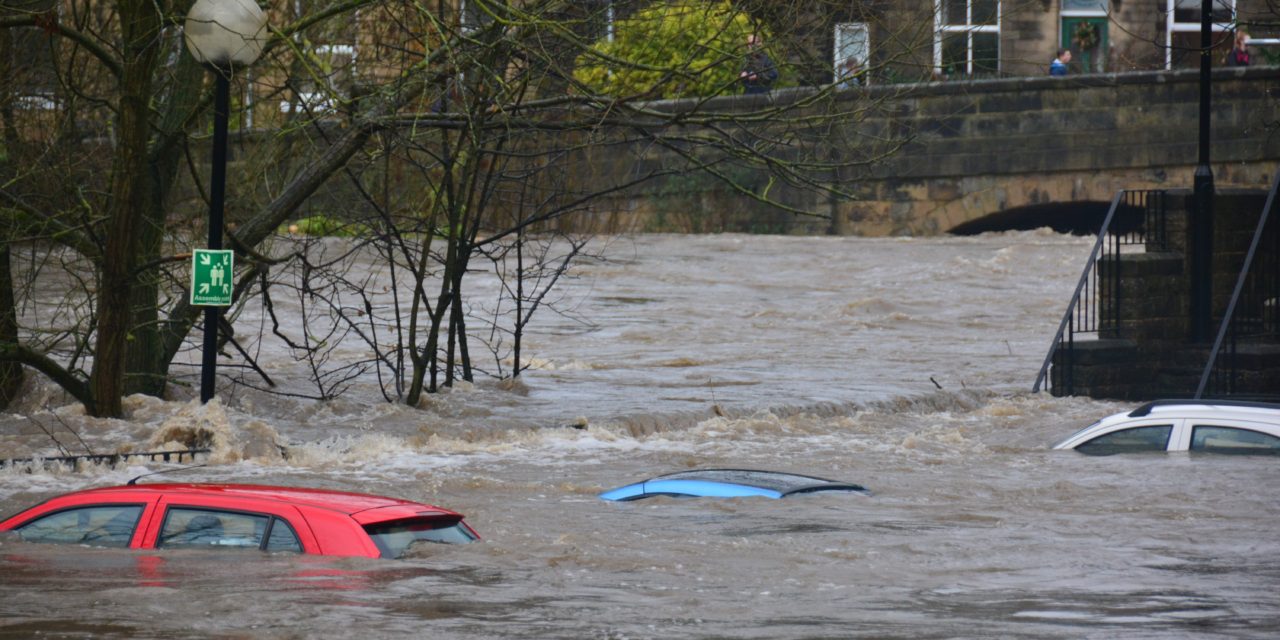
(231, 516)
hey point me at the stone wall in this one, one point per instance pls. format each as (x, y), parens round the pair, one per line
(973, 149)
(970, 150)
(986, 146)
(1028, 37)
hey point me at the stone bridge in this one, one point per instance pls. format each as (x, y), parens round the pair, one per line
(1030, 152)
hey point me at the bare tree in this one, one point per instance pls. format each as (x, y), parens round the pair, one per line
(437, 134)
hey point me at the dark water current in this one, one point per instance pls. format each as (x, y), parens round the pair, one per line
(900, 364)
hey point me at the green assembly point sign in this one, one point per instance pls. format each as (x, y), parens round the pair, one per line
(211, 271)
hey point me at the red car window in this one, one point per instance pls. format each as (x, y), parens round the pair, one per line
(99, 525)
(244, 523)
(281, 537)
(394, 538)
(208, 528)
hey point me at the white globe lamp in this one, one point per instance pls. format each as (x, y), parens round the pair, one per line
(226, 34)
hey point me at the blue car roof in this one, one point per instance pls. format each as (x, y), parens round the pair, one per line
(728, 483)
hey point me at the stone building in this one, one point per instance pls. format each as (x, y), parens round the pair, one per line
(909, 40)
(899, 40)
(890, 40)
(986, 38)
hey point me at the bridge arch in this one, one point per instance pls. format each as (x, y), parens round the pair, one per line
(1079, 218)
(1067, 201)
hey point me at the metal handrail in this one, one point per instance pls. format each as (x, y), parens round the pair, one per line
(1075, 298)
(110, 459)
(1240, 281)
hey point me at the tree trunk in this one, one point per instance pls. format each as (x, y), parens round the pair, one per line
(518, 328)
(417, 357)
(10, 372)
(459, 318)
(148, 360)
(146, 368)
(433, 341)
(140, 23)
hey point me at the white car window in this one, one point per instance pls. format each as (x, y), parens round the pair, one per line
(1135, 440)
(1217, 439)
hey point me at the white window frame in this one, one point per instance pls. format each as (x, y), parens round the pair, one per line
(1171, 26)
(941, 29)
(321, 101)
(609, 18)
(36, 102)
(466, 24)
(842, 48)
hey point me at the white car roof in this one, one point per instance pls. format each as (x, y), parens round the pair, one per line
(1219, 409)
(1256, 413)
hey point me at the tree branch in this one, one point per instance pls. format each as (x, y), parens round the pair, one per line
(52, 26)
(77, 387)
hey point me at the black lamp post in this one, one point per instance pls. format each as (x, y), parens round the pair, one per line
(1202, 214)
(223, 35)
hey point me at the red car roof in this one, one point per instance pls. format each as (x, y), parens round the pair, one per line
(341, 501)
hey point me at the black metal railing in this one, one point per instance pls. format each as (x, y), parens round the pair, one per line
(1136, 217)
(108, 459)
(1252, 315)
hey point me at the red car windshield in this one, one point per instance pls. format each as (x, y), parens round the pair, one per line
(394, 538)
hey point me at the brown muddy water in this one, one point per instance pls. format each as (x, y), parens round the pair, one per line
(900, 364)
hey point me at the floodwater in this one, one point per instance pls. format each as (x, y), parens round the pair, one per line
(900, 364)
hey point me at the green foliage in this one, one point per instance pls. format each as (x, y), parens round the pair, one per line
(671, 50)
(320, 225)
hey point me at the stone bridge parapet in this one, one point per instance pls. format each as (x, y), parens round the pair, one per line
(1023, 151)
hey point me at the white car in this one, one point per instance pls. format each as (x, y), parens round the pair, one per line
(1215, 426)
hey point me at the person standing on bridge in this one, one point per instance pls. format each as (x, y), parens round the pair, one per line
(1059, 65)
(850, 74)
(1239, 54)
(758, 73)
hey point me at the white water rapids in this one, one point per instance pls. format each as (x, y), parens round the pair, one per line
(900, 364)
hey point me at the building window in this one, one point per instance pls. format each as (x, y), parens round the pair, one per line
(33, 77)
(330, 72)
(967, 40)
(852, 51)
(1085, 7)
(1182, 29)
(473, 16)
